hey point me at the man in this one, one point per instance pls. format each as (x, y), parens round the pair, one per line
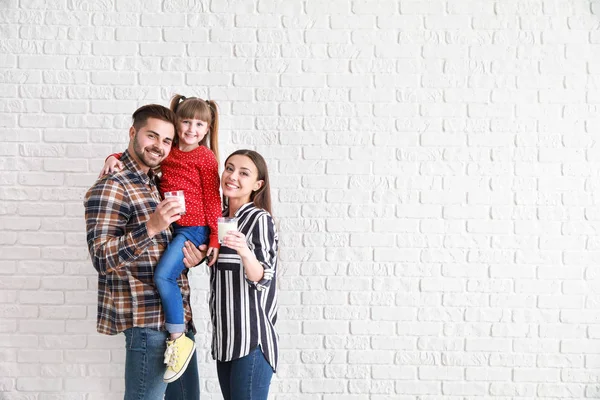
(127, 231)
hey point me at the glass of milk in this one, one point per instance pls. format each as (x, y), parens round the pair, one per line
(225, 225)
(180, 197)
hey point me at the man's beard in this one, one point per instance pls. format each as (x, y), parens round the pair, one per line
(143, 155)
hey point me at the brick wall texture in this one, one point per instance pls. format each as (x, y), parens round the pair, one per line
(436, 182)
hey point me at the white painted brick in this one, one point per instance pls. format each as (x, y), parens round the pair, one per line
(137, 34)
(473, 389)
(90, 33)
(101, 92)
(63, 47)
(440, 344)
(418, 388)
(139, 64)
(493, 345)
(327, 36)
(184, 35)
(62, 342)
(322, 386)
(67, 107)
(100, 385)
(511, 389)
(37, 62)
(86, 356)
(236, 35)
(35, 121)
(490, 52)
(159, 20)
(38, 384)
(32, 32)
(564, 390)
(277, 65)
(43, 92)
(489, 189)
(301, 21)
(491, 81)
(161, 79)
(110, 107)
(82, 62)
(438, 227)
(160, 49)
(444, 81)
(15, 76)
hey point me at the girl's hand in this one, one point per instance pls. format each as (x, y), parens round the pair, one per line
(237, 241)
(212, 254)
(111, 165)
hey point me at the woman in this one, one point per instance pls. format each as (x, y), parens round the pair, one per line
(243, 297)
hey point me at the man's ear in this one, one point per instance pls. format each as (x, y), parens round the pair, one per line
(131, 132)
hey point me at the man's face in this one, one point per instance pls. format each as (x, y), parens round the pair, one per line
(151, 143)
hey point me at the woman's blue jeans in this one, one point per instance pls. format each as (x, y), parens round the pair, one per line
(144, 368)
(247, 378)
(168, 270)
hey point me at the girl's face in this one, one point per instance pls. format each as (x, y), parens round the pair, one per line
(191, 132)
(240, 178)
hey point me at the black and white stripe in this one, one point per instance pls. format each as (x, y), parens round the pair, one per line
(243, 312)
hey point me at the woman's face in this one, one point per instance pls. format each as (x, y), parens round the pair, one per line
(191, 132)
(240, 178)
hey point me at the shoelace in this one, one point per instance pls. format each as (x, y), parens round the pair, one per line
(171, 355)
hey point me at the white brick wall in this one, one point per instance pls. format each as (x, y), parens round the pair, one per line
(436, 175)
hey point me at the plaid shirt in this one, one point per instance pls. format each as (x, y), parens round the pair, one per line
(116, 210)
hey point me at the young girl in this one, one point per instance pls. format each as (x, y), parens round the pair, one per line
(192, 166)
(243, 296)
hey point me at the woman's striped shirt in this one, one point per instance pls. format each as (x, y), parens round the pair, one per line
(243, 312)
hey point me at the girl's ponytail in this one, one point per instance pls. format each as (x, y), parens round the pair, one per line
(214, 128)
(175, 101)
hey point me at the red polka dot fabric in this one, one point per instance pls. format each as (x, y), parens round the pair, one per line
(195, 172)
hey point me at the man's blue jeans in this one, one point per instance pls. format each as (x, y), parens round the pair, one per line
(247, 378)
(168, 270)
(144, 368)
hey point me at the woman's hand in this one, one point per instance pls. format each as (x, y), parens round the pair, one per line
(112, 164)
(192, 255)
(252, 267)
(212, 254)
(237, 241)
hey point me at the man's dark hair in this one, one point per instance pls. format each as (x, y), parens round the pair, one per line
(141, 115)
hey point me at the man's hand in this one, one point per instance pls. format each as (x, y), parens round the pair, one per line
(167, 212)
(192, 254)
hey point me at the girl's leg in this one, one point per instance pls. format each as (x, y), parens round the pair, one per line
(180, 349)
(168, 270)
(187, 387)
(166, 273)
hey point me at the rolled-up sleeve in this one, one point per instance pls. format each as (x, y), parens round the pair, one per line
(112, 245)
(263, 243)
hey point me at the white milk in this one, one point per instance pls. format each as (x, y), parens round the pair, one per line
(226, 225)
